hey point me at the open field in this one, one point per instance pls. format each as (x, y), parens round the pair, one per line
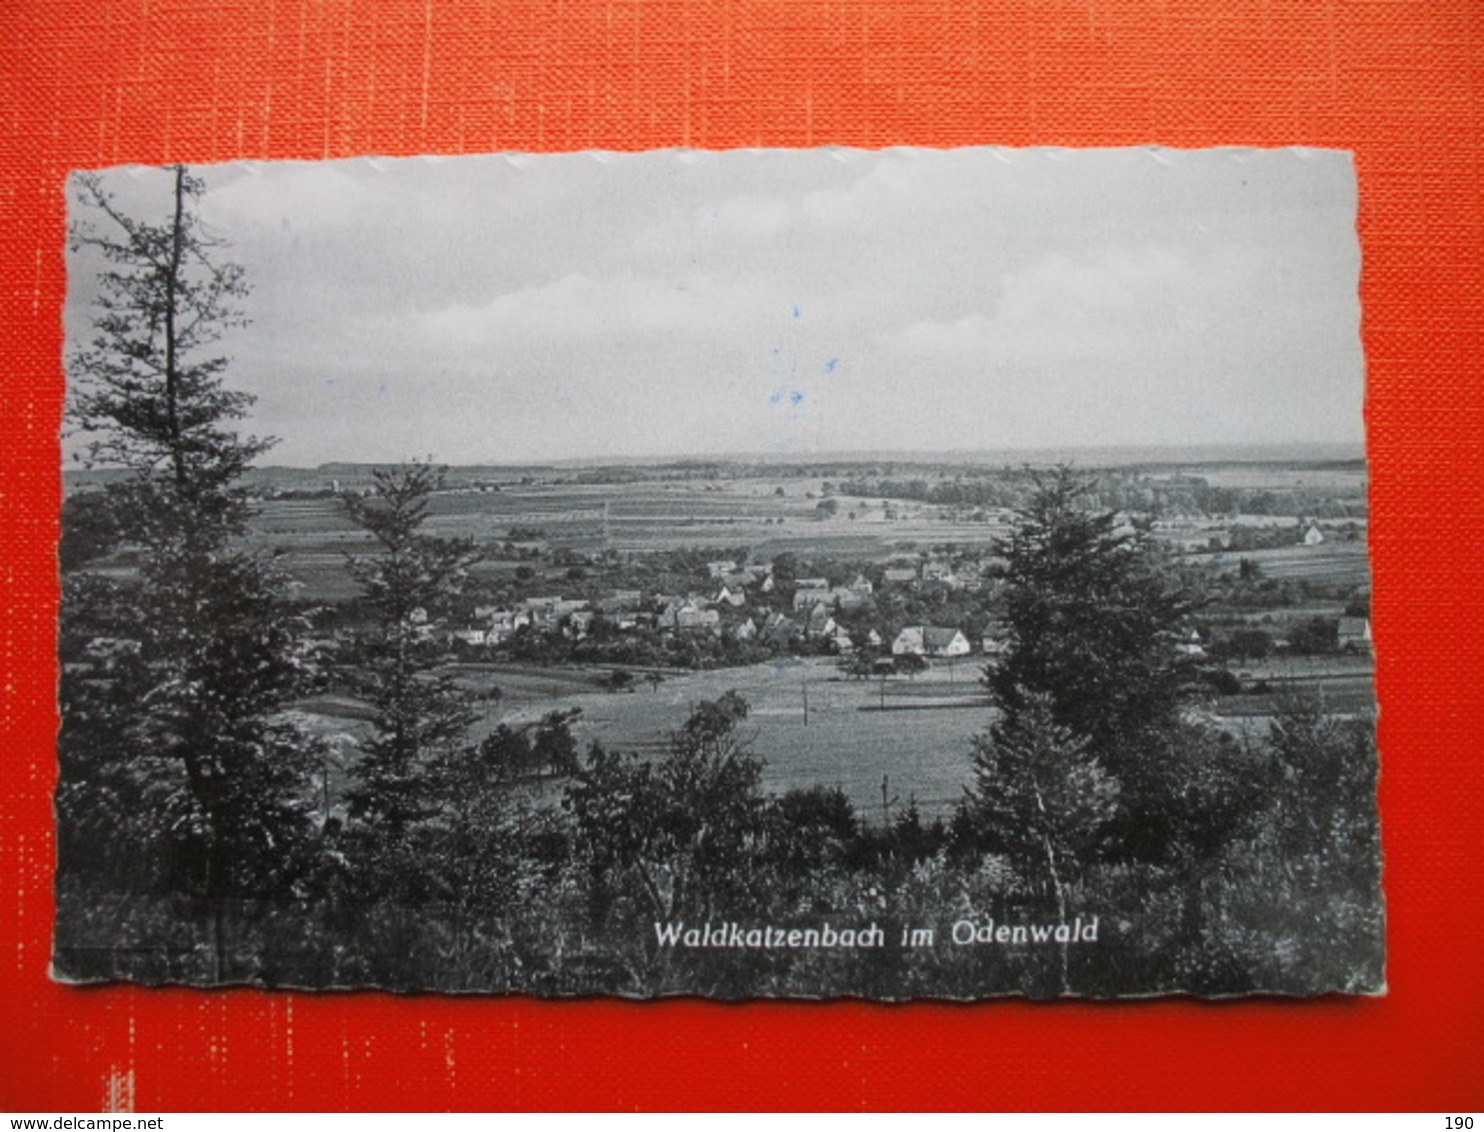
(1334, 562)
(1341, 477)
(920, 743)
(665, 508)
(313, 536)
(1344, 685)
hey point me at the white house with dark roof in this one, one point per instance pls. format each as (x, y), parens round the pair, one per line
(930, 640)
(730, 595)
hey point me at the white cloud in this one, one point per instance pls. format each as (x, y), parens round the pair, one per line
(1116, 281)
(577, 307)
(1103, 304)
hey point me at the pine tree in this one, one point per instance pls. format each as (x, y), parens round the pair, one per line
(1093, 622)
(177, 768)
(421, 716)
(1040, 795)
(148, 388)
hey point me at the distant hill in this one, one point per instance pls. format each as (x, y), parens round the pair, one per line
(1152, 457)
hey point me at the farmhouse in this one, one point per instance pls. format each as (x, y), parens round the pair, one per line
(820, 623)
(692, 617)
(777, 629)
(1189, 643)
(620, 601)
(546, 609)
(808, 598)
(1355, 634)
(840, 641)
(899, 575)
(503, 622)
(730, 595)
(995, 640)
(942, 573)
(930, 640)
(580, 623)
(688, 613)
(1313, 536)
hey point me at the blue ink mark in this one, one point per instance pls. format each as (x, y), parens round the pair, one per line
(798, 313)
(775, 349)
(775, 398)
(832, 365)
(795, 397)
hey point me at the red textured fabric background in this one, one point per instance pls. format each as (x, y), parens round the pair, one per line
(97, 82)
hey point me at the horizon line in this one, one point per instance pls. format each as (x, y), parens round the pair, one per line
(1135, 453)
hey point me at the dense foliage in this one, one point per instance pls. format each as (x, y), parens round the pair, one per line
(177, 772)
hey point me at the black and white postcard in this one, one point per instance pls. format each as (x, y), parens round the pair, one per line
(807, 574)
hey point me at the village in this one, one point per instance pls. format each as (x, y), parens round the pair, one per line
(744, 604)
(890, 615)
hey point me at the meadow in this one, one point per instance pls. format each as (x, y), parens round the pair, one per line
(312, 536)
(1334, 563)
(884, 743)
(919, 743)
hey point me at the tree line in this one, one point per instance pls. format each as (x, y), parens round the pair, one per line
(1119, 490)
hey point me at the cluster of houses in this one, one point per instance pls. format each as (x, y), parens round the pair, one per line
(726, 611)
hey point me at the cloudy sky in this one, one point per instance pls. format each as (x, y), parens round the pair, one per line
(521, 308)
